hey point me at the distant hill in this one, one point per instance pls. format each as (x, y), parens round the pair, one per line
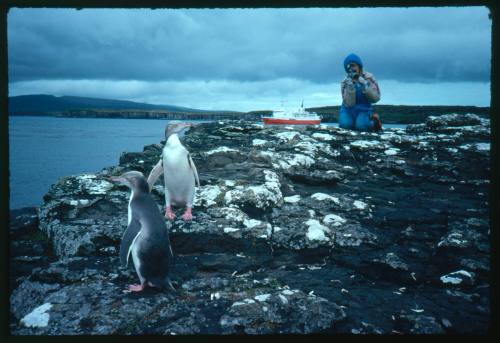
(45, 104)
(80, 107)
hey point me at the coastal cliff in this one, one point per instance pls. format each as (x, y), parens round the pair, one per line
(296, 230)
(78, 107)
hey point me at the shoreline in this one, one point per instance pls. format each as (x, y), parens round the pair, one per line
(20, 197)
(390, 114)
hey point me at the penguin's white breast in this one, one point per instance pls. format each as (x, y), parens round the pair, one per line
(129, 208)
(135, 256)
(175, 164)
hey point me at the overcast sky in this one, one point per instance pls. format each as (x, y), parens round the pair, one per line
(250, 59)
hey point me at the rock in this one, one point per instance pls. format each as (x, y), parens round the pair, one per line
(393, 261)
(474, 297)
(133, 158)
(297, 234)
(260, 196)
(353, 235)
(418, 324)
(316, 177)
(23, 221)
(416, 128)
(28, 248)
(281, 312)
(29, 295)
(38, 317)
(367, 329)
(296, 230)
(478, 265)
(446, 323)
(454, 120)
(466, 235)
(458, 278)
(367, 145)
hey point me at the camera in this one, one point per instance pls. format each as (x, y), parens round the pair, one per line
(351, 73)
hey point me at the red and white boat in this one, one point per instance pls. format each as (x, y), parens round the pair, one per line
(297, 117)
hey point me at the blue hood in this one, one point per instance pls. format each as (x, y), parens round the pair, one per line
(353, 58)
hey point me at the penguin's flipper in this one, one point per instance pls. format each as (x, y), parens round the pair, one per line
(128, 239)
(155, 173)
(193, 167)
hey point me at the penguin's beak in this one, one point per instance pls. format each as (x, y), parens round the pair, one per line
(116, 179)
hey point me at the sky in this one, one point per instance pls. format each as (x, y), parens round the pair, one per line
(250, 59)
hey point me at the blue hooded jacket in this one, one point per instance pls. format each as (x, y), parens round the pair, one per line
(362, 103)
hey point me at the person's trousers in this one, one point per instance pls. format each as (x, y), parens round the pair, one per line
(355, 119)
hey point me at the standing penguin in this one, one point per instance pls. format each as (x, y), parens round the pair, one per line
(179, 173)
(146, 238)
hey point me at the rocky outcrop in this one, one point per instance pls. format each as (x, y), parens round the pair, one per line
(296, 230)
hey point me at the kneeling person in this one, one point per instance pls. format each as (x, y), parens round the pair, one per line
(359, 91)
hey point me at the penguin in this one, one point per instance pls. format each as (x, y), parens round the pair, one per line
(179, 172)
(146, 239)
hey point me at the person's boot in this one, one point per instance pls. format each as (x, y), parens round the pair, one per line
(377, 124)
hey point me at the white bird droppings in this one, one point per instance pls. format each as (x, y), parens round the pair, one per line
(360, 205)
(258, 142)
(292, 199)
(262, 297)
(316, 231)
(335, 219)
(230, 229)
(323, 136)
(38, 317)
(323, 196)
(391, 152)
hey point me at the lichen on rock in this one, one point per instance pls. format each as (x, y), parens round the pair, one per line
(296, 231)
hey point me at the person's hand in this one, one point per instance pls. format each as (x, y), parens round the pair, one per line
(364, 82)
(350, 84)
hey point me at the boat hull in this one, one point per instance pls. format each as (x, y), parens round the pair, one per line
(289, 121)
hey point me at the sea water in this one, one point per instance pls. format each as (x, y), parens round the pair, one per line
(43, 149)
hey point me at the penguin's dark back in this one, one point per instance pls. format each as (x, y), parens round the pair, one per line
(150, 215)
(153, 250)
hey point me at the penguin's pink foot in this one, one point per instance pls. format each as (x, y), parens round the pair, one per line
(136, 288)
(169, 213)
(187, 215)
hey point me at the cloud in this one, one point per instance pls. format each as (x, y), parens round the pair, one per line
(209, 95)
(440, 93)
(405, 44)
(250, 59)
(254, 95)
